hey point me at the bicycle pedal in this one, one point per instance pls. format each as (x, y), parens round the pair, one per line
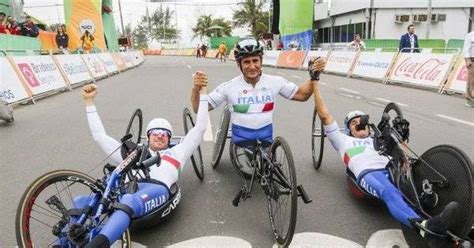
(302, 193)
(236, 200)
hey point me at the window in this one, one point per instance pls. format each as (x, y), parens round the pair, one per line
(344, 33)
(336, 36)
(351, 32)
(359, 29)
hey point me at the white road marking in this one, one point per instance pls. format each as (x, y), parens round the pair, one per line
(346, 95)
(387, 238)
(213, 241)
(455, 119)
(216, 222)
(298, 77)
(312, 239)
(351, 91)
(321, 83)
(377, 103)
(387, 101)
(189, 67)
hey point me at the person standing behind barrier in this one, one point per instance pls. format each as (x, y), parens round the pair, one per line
(357, 43)
(3, 30)
(87, 41)
(29, 28)
(198, 51)
(222, 51)
(468, 54)
(12, 26)
(62, 39)
(409, 41)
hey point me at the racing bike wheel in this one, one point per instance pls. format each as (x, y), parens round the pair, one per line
(282, 193)
(45, 212)
(317, 138)
(196, 158)
(240, 160)
(454, 165)
(221, 136)
(135, 126)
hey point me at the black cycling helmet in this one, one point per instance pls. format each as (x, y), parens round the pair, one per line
(247, 48)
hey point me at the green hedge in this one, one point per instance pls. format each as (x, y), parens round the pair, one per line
(16, 42)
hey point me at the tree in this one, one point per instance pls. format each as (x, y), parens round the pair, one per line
(158, 26)
(250, 14)
(206, 26)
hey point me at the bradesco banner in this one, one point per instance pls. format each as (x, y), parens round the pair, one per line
(108, 62)
(373, 64)
(314, 54)
(340, 61)
(74, 68)
(11, 88)
(421, 69)
(41, 74)
(270, 57)
(290, 59)
(459, 78)
(95, 66)
(128, 59)
(119, 61)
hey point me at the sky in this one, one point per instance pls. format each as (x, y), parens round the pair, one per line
(188, 11)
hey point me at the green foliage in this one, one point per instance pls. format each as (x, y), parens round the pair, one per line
(206, 26)
(250, 14)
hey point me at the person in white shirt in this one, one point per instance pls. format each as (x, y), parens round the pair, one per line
(468, 54)
(357, 43)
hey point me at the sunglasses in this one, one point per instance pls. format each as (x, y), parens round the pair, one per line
(159, 133)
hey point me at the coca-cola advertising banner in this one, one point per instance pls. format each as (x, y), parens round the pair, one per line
(74, 68)
(422, 69)
(40, 73)
(95, 65)
(11, 89)
(458, 81)
(340, 61)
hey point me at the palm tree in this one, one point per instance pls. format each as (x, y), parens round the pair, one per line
(208, 27)
(251, 14)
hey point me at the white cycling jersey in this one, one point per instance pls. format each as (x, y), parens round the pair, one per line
(252, 108)
(358, 154)
(172, 159)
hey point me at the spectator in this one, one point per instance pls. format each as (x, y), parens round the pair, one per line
(87, 41)
(269, 44)
(468, 52)
(3, 30)
(203, 50)
(222, 51)
(62, 39)
(357, 43)
(12, 26)
(29, 28)
(198, 51)
(409, 41)
(280, 45)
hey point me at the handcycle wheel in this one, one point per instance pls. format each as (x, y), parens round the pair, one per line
(456, 167)
(221, 136)
(240, 160)
(282, 204)
(317, 139)
(135, 126)
(196, 158)
(39, 210)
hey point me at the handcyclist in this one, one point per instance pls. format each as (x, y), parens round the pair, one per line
(159, 132)
(251, 95)
(356, 148)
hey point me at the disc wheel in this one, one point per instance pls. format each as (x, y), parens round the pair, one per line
(196, 158)
(317, 141)
(282, 204)
(44, 209)
(135, 126)
(221, 136)
(456, 167)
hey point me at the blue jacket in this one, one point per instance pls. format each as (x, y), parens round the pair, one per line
(405, 43)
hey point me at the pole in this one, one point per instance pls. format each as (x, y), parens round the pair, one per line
(429, 20)
(121, 18)
(176, 21)
(269, 17)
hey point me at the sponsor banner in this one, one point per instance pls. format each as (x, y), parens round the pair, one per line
(190, 52)
(96, 67)
(291, 59)
(11, 88)
(108, 62)
(41, 74)
(422, 69)
(269, 57)
(128, 59)
(314, 54)
(340, 61)
(459, 78)
(373, 64)
(74, 68)
(119, 61)
(138, 57)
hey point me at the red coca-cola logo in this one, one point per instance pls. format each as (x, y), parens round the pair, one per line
(429, 69)
(462, 75)
(28, 74)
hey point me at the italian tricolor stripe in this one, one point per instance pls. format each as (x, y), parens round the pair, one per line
(172, 161)
(352, 152)
(253, 108)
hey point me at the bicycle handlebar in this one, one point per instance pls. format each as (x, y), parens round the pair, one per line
(151, 161)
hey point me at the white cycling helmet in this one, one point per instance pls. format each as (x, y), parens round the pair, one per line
(159, 123)
(351, 115)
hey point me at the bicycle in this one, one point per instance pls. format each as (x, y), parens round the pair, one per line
(47, 213)
(427, 184)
